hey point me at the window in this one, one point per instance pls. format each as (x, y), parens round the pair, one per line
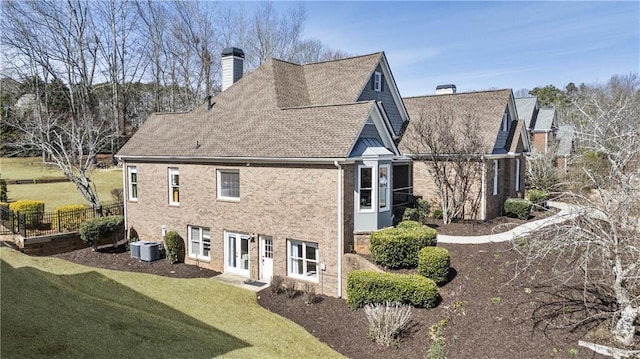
(133, 182)
(229, 185)
(366, 188)
(383, 186)
(174, 186)
(495, 177)
(377, 81)
(303, 260)
(517, 174)
(199, 242)
(505, 122)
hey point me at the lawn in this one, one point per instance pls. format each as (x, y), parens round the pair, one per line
(54, 194)
(54, 308)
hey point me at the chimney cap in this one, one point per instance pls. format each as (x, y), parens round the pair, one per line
(442, 87)
(233, 51)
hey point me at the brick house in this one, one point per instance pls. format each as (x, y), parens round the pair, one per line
(541, 123)
(275, 174)
(503, 145)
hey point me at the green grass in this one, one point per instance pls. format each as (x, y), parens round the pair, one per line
(53, 308)
(54, 194)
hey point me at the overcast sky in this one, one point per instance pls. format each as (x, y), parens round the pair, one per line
(481, 45)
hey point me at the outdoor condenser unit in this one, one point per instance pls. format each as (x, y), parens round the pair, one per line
(150, 251)
(135, 249)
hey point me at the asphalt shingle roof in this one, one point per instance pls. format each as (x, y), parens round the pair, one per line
(544, 122)
(525, 106)
(485, 107)
(565, 137)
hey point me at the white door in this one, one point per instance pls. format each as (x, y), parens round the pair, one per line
(236, 253)
(266, 258)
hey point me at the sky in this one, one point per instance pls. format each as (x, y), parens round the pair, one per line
(482, 45)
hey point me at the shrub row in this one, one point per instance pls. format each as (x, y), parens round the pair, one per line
(69, 217)
(34, 211)
(398, 247)
(98, 229)
(517, 207)
(434, 263)
(369, 287)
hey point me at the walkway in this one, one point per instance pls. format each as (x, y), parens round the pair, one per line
(566, 212)
(240, 282)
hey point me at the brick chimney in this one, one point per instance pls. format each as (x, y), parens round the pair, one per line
(232, 66)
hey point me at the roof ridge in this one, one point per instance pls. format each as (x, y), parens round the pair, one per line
(344, 58)
(457, 93)
(329, 105)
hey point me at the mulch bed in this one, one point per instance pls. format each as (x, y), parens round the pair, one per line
(481, 228)
(489, 313)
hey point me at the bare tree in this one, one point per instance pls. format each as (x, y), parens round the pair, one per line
(599, 245)
(450, 147)
(55, 41)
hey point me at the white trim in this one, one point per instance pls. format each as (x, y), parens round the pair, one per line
(219, 195)
(373, 198)
(377, 81)
(239, 237)
(496, 168)
(483, 191)
(517, 187)
(340, 235)
(173, 171)
(387, 192)
(131, 170)
(305, 261)
(201, 242)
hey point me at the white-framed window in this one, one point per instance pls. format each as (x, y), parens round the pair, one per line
(229, 185)
(303, 259)
(199, 242)
(377, 81)
(132, 175)
(505, 122)
(517, 180)
(365, 188)
(495, 177)
(383, 187)
(174, 186)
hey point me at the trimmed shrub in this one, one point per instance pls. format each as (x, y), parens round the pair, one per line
(33, 211)
(369, 287)
(174, 245)
(420, 213)
(398, 247)
(538, 197)
(69, 217)
(410, 214)
(433, 263)
(97, 230)
(517, 207)
(3, 191)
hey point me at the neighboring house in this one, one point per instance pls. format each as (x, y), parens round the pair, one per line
(274, 175)
(566, 147)
(541, 124)
(503, 144)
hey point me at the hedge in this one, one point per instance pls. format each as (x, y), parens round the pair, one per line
(34, 211)
(398, 247)
(517, 207)
(69, 217)
(174, 245)
(369, 287)
(98, 229)
(434, 263)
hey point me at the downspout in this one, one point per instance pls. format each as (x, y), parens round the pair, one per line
(124, 198)
(340, 237)
(483, 190)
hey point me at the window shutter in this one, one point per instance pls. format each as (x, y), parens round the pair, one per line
(373, 81)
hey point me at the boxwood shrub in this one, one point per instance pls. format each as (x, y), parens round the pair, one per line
(33, 211)
(97, 230)
(369, 287)
(69, 217)
(434, 263)
(398, 247)
(174, 245)
(517, 207)
(538, 197)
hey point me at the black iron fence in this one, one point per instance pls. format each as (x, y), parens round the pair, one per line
(45, 223)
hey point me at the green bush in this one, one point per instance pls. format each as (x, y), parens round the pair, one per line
(433, 263)
(69, 217)
(517, 207)
(99, 229)
(174, 245)
(419, 214)
(398, 247)
(437, 214)
(33, 211)
(3, 191)
(369, 287)
(410, 214)
(537, 196)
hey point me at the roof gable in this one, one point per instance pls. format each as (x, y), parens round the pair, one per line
(527, 108)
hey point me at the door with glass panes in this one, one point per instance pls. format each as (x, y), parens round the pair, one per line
(236, 253)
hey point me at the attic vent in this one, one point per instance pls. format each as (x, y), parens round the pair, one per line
(445, 89)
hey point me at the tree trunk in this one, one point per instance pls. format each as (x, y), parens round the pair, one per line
(625, 329)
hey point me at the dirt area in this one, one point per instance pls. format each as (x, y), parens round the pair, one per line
(480, 228)
(483, 313)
